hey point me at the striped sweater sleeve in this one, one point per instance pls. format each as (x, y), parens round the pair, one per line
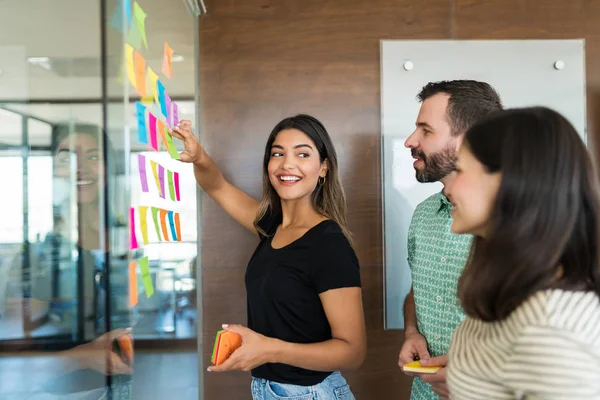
(553, 364)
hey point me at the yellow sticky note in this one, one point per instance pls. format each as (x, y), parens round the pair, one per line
(155, 173)
(416, 366)
(144, 223)
(129, 64)
(153, 78)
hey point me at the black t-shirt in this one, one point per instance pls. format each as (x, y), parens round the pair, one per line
(283, 287)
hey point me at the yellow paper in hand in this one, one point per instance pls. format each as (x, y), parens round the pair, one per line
(416, 366)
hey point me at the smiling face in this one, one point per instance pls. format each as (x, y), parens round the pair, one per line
(294, 166)
(432, 144)
(88, 158)
(472, 191)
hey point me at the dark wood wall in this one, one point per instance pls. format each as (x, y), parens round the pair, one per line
(263, 60)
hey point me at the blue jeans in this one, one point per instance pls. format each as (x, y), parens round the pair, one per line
(334, 387)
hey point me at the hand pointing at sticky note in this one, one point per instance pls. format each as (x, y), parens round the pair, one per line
(193, 151)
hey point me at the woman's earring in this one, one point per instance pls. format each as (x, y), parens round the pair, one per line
(321, 180)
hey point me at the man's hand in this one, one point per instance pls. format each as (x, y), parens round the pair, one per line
(415, 346)
(437, 380)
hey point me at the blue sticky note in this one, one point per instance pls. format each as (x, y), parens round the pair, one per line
(141, 117)
(161, 97)
(117, 17)
(172, 223)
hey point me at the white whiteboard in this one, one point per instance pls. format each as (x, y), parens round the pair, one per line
(524, 74)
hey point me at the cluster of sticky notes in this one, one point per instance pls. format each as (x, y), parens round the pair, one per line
(167, 225)
(149, 127)
(131, 22)
(161, 174)
(146, 280)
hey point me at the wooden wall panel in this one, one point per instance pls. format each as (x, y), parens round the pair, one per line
(263, 60)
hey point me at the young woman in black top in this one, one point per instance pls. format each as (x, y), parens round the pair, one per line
(305, 316)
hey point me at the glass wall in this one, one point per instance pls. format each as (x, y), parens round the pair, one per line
(72, 282)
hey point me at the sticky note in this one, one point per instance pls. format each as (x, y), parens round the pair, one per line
(176, 179)
(133, 244)
(172, 225)
(163, 224)
(133, 292)
(143, 211)
(175, 113)
(178, 227)
(171, 146)
(161, 178)
(142, 169)
(161, 129)
(170, 184)
(139, 17)
(146, 277)
(168, 108)
(141, 117)
(154, 166)
(117, 17)
(153, 78)
(134, 38)
(152, 123)
(140, 73)
(155, 211)
(130, 65)
(167, 67)
(161, 98)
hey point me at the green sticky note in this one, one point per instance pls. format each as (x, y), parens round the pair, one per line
(155, 218)
(171, 146)
(134, 38)
(146, 277)
(140, 22)
(171, 187)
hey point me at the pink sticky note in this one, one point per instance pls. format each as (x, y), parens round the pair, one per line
(132, 239)
(142, 169)
(161, 178)
(175, 114)
(152, 122)
(176, 179)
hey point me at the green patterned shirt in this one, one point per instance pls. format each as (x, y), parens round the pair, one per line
(436, 257)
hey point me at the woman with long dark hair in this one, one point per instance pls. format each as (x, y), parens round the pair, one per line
(526, 189)
(305, 316)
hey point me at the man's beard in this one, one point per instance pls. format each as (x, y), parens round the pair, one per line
(436, 165)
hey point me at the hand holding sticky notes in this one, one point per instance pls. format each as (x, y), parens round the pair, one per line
(226, 343)
(416, 367)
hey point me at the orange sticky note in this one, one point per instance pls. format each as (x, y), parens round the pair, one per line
(167, 67)
(133, 292)
(140, 73)
(129, 64)
(177, 227)
(163, 224)
(161, 129)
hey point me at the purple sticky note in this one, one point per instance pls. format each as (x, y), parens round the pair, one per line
(161, 178)
(169, 113)
(175, 114)
(142, 169)
(152, 122)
